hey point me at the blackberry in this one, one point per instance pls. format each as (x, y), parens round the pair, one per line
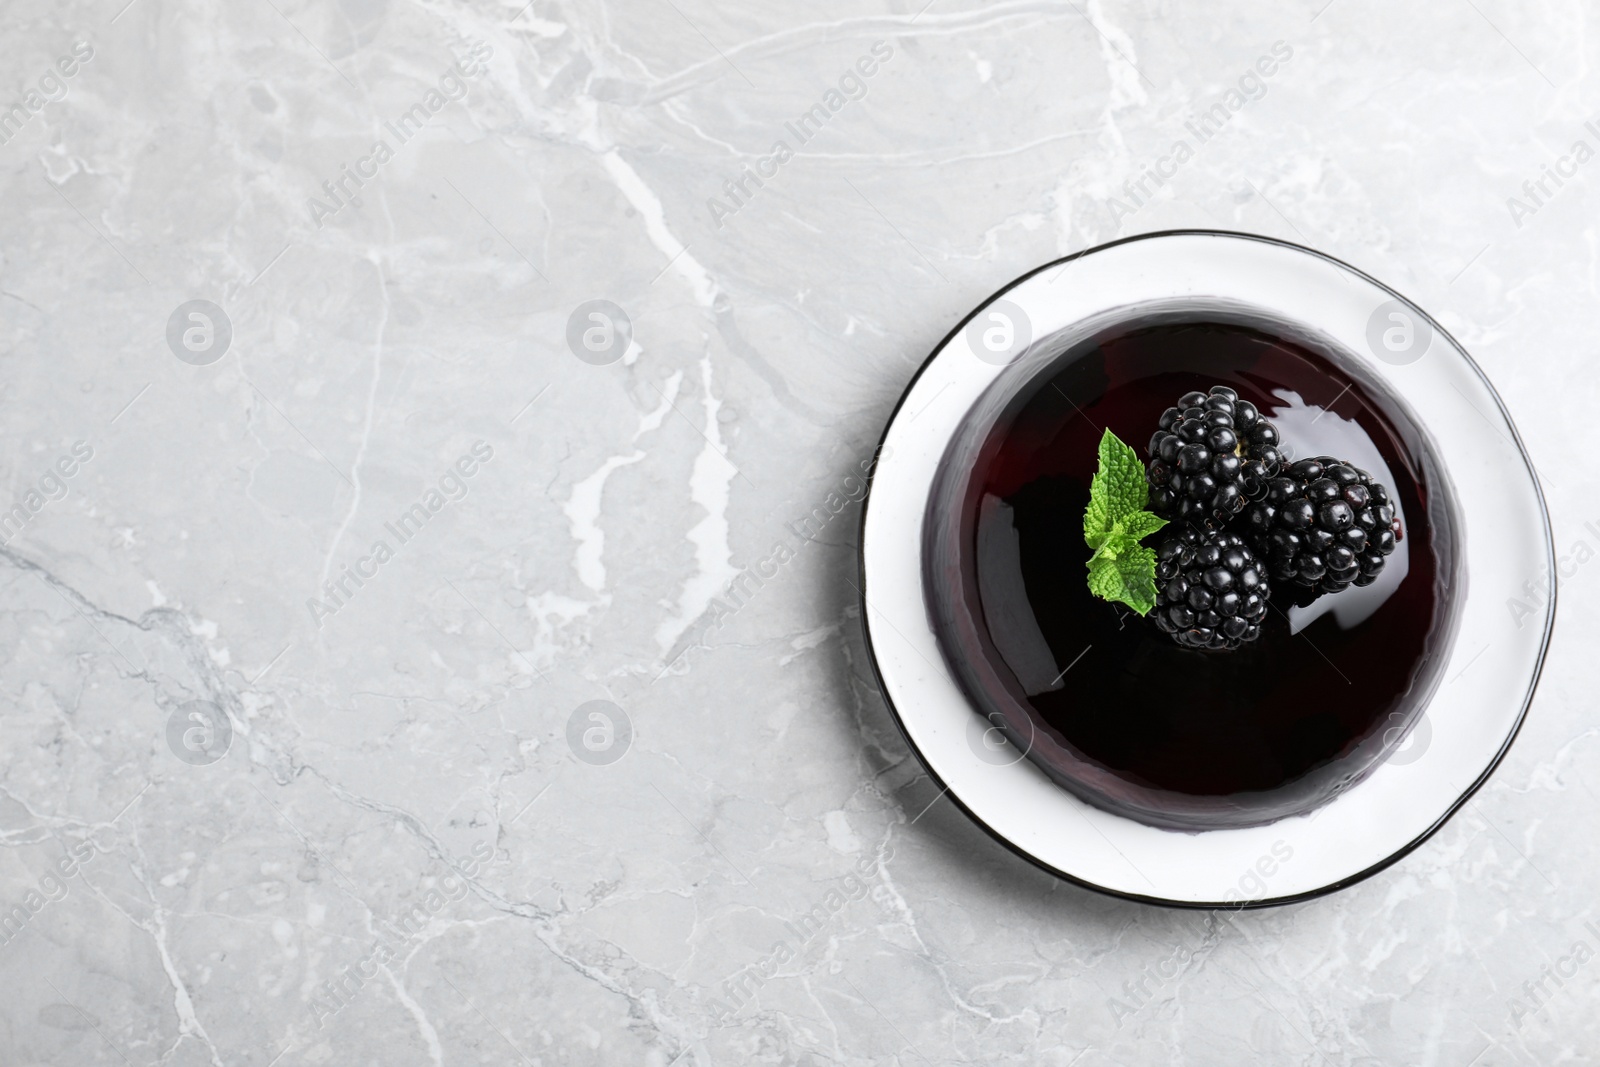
(1211, 590)
(1212, 454)
(1323, 525)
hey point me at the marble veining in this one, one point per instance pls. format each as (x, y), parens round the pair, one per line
(587, 765)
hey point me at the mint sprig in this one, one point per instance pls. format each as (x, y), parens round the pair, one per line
(1116, 520)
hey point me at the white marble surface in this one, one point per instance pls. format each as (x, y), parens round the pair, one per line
(422, 722)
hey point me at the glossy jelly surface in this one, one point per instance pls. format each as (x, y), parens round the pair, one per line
(1101, 700)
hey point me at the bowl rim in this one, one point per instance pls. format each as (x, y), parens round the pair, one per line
(1266, 901)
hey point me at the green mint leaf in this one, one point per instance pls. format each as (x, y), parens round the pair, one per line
(1118, 490)
(1105, 581)
(1097, 524)
(1130, 531)
(1130, 578)
(1141, 524)
(1121, 570)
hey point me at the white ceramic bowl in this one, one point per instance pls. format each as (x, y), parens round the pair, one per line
(1494, 659)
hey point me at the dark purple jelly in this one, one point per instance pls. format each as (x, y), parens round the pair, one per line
(1101, 700)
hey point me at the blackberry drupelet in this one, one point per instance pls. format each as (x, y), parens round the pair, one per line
(1212, 454)
(1323, 525)
(1211, 590)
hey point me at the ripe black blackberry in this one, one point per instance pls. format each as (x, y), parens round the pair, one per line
(1212, 454)
(1211, 590)
(1323, 525)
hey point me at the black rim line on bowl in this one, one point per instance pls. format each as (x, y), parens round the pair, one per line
(1264, 902)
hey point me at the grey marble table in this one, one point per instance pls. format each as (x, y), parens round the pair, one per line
(433, 437)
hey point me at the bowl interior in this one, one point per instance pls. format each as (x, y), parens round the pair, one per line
(1096, 696)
